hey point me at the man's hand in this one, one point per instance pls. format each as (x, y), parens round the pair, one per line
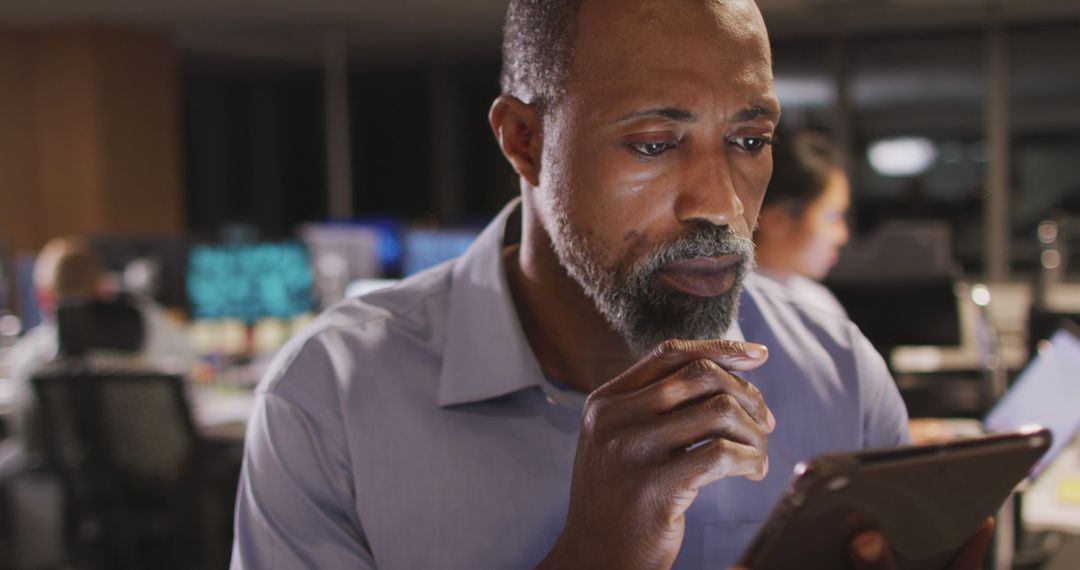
(675, 421)
(869, 550)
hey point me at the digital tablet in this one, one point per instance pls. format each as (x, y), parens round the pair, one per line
(926, 501)
(1046, 393)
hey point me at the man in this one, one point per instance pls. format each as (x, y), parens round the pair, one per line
(69, 271)
(444, 423)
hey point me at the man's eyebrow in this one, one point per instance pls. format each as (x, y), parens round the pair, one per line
(756, 112)
(670, 113)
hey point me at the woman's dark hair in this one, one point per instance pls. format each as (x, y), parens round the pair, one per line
(802, 164)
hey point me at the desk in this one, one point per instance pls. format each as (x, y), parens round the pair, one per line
(221, 413)
(218, 413)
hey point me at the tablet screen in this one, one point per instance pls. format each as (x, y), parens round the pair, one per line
(1047, 393)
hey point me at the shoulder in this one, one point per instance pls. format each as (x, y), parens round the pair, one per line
(795, 305)
(837, 367)
(810, 335)
(354, 336)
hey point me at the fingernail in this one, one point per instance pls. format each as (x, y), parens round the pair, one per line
(770, 420)
(869, 546)
(766, 470)
(755, 350)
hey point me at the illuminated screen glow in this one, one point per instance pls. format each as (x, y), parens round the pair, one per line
(250, 281)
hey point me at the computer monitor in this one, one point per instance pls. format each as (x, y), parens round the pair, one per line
(250, 281)
(424, 248)
(389, 232)
(898, 284)
(359, 234)
(341, 254)
(25, 298)
(911, 312)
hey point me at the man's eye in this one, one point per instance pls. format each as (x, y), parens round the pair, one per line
(753, 144)
(652, 148)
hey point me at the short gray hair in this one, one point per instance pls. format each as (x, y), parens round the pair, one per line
(538, 49)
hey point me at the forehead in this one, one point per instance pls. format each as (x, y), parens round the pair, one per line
(643, 49)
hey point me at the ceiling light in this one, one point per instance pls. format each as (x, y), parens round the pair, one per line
(902, 156)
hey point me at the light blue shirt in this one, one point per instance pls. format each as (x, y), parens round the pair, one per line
(414, 428)
(807, 292)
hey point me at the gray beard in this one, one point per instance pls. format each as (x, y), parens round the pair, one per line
(633, 300)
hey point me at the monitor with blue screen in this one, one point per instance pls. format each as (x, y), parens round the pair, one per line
(424, 248)
(26, 300)
(250, 281)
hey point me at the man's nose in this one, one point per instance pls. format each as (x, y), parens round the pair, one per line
(708, 195)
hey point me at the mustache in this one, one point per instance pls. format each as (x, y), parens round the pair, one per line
(702, 241)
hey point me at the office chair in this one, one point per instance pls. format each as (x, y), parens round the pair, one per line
(121, 438)
(99, 326)
(127, 453)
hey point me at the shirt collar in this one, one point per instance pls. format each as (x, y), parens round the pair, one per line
(487, 354)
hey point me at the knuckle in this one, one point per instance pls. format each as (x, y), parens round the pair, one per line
(589, 421)
(722, 405)
(625, 446)
(726, 346)
(757, 399)
(750, 389)
(723, 458)
(669, 349)
(699, 369)
(605, 412)
(670, 394)
(592, 415)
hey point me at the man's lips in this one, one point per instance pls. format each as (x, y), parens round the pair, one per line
(702, 276)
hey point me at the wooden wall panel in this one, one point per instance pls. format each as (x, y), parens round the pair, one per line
(66, 80)
(19, 204)
(141, 133)
(89, 134)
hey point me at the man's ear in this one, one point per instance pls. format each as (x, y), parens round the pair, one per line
(517, 127)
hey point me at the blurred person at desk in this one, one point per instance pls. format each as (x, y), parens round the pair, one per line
(802, 227)
(527, 405)
(72, 295)
(69, 273)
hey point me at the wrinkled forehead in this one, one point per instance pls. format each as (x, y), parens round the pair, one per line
(649, 41)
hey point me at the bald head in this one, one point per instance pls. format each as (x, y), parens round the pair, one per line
(538, 47)
(542, 37)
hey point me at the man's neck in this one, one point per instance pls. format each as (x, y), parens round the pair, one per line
(571, 340)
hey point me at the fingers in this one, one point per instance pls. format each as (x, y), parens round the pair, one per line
(870, 552)
(672, 355)
(717, 459)
(698, 381)
(720, 416)
(971, 554)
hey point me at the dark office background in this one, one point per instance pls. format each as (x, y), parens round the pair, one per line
(255, 150)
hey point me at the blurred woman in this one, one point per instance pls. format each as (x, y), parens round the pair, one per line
(802, 225)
